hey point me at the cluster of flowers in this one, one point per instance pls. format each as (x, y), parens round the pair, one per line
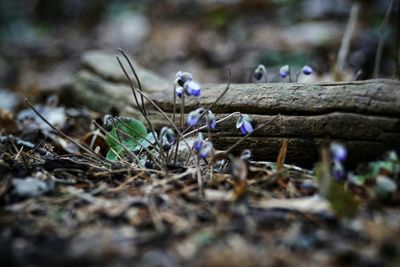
(261, 72)
(201, 147)
(285, 71)
(185, 85)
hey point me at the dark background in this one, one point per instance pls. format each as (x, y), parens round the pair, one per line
(42, 40)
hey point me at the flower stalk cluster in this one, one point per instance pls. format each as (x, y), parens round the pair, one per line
(184, 84)
(201, 147)
(195, 116)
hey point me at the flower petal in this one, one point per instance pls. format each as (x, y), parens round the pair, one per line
(213, 124)
(246, 127)
(198, 143)
(192, 88)
(239, 122)
(205, 150)
(338, 152)
(193, 118)
(179, 91)
(243, 130)
(307, 70)
(284, 71)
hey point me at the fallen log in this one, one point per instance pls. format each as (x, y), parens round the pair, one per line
(363, 115)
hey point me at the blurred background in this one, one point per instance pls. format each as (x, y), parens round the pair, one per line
(41, 42)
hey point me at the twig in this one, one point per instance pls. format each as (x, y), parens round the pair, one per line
(379, 49)
(166, 117)
(247, 135)
(345, 44)
(180, 126)
(64, 135)
(218, 121)
(142, 96)
(144, 138)
(174, 105)
(120, 143)
(136, 77)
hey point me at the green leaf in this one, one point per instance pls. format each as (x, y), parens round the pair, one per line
(130, 133)
(359, 180)
(146, 142)
(111, 155)
(378, 166)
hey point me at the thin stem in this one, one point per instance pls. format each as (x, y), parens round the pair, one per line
(346, 40)
(182, 114)
(133, 130)
(131, 86)
(298, 75)
(134, 90)
(209, 132)
(66, 136)
(121, 144)
(120, 141)
(174, 105)
(248, 134)
(144, 138)
(155, 159)
(205, 126)
(199, 177)
(214, 103)
(136, 77)
(166, 117)
(379, 50)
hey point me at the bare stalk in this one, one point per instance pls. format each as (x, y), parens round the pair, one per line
(205, 126)
(134, 90)
(121, 144)
(346, 40)
(136, 77)
(165, 116)
(180, 126)
(96, 156)
(379, 50)
(248, 134)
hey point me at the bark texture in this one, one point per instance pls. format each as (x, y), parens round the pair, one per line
(364, 115)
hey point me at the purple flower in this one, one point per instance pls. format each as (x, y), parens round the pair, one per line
(194, 116)
(338, 170)
(244, 124)
(206, 150)
(260, 72)
(246, 154)
(338, 152)
(165, 144)
(284, 71)
(307, 70)
(198, 143)
(179, 91)
(192, 88)
(182, 77)
(211, 121)
(168, 133)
